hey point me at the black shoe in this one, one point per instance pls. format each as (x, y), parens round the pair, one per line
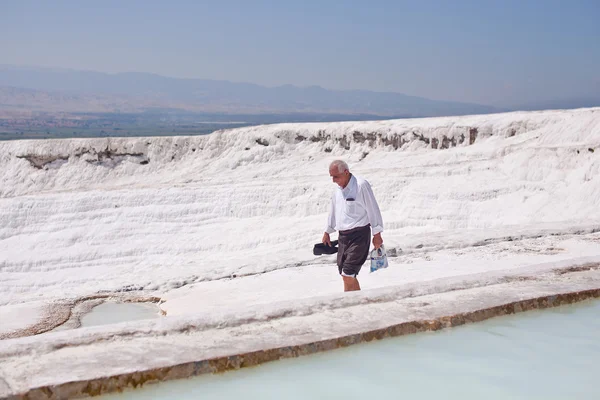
(322, 248)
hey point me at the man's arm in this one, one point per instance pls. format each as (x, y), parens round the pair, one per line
(330, 228)
(374, 214)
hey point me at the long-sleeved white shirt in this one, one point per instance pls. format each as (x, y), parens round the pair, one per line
(354, 206)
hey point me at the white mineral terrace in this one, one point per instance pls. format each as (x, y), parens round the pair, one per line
(216, 233)
(550, 354)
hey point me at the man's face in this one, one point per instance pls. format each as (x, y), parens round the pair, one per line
(341, 178)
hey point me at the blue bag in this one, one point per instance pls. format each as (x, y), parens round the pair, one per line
(378, 259)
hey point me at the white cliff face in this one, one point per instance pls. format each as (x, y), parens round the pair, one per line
(80, 217)
(221, 227)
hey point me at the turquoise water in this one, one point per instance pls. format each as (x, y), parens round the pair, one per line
(550, 354)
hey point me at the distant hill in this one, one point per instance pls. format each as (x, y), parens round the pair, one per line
(71, 91)
(23, 100)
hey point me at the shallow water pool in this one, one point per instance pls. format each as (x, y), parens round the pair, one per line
(549, 354)
(112, 313)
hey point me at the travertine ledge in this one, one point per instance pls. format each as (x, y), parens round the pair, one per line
(233, 351)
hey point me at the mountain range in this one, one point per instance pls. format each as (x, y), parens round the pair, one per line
(50, 89)
(65, 90)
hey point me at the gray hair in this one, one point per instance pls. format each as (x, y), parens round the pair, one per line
(340, 165)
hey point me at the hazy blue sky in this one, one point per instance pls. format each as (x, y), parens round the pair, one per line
(498, 52)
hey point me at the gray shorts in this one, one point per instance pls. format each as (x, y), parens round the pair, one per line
(353, 250)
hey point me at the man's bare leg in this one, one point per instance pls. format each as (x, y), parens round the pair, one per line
(350, 284)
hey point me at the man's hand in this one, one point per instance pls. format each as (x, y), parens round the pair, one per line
(326, 239)
(377, 240)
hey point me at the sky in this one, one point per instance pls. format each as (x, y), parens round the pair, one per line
(501, 53)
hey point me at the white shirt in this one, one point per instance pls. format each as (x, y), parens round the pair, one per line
(354, 206)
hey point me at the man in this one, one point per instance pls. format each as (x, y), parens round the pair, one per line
(355, 214)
